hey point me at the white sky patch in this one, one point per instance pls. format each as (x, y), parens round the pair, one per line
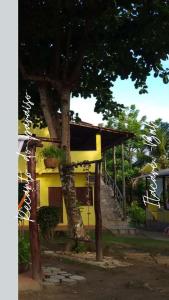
(154, 112)
(85, 108)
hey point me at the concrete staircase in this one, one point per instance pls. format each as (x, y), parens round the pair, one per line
(112, 214)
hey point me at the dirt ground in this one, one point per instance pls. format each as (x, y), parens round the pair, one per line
(142, 280)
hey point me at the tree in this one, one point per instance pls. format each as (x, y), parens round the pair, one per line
(138, 154)
(161, 152)
(81, 47)
(134, 155)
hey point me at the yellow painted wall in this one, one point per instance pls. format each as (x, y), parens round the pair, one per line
(76, 156)
(51, 178)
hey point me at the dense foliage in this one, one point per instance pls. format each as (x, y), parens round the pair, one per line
(84, 46)
(48, 218)
(137, 154)
(137, 215)
(23, 250)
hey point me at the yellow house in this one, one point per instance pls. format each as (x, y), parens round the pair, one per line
(88, 142)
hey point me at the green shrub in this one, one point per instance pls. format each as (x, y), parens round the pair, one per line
(137, 214)
(79, 247)
(23, 251)
(48, 218)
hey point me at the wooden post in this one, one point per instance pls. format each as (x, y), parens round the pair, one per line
(33, 226)
(123, 183)
(98, 216)
(114, 164)
(114, 169)
(104, 165)
(164, 191)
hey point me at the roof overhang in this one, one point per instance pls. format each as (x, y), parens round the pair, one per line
(83, 132)
(83, 137)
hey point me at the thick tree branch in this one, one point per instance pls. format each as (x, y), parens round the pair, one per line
(39, 78)
(49, 111)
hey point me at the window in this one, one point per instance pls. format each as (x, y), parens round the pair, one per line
(55, 199)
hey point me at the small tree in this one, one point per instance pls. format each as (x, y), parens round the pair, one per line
(135, 156)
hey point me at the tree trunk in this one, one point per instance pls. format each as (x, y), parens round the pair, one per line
(65, 136)
(75, 221)
(50, 116)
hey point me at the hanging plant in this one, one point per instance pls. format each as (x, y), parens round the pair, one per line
(53, 156)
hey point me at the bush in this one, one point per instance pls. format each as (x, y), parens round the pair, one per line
(137, 214)
(79, 247)
(23, 251)
(48, 218)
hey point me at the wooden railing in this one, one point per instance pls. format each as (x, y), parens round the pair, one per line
(117, 195)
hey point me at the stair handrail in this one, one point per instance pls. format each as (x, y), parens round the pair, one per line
(117, 193)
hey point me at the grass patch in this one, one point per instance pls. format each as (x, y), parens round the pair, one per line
(135, 242)
(140, 243)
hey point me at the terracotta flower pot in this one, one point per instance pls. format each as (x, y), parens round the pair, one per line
(51, 163)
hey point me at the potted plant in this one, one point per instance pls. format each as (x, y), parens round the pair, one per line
(23, 254)
(52, 156)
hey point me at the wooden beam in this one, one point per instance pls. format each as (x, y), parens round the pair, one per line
(33, 226)
(44, 139)
(123, 183)
(98, 216)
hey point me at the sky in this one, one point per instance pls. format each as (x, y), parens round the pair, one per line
(154, 105)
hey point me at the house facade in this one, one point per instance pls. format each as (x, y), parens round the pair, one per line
(89, 143)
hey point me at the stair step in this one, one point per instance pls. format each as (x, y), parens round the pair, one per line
(111, 210)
